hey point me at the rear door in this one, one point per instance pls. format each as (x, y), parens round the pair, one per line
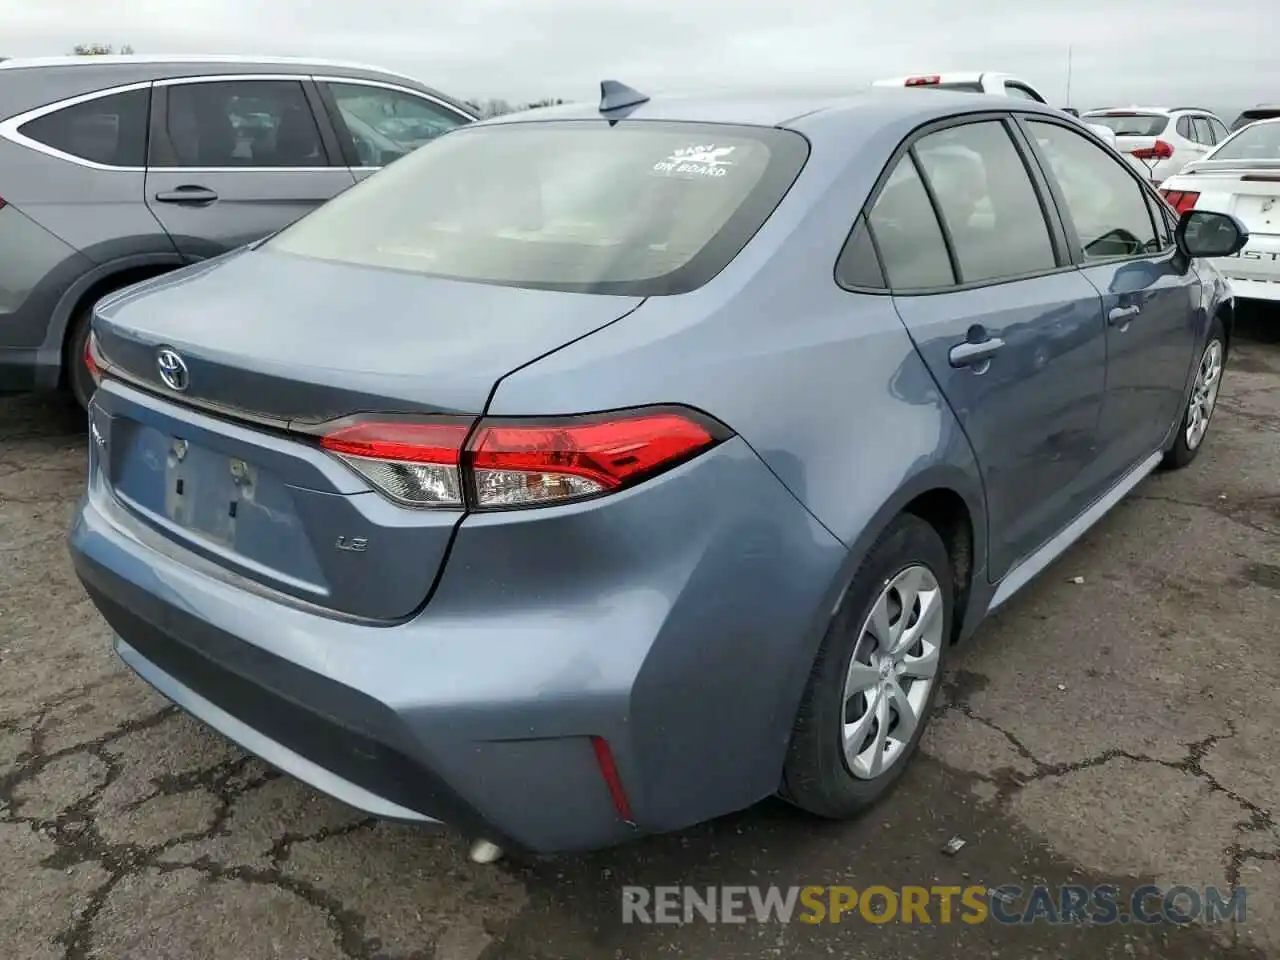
(1150, 305)
(233, 159)
(377, 122)
(1011, 333)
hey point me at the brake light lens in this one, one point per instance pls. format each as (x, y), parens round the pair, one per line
(928, 81)
(1181, 200)
(413, 462)
(511, 463)
(1160, 150)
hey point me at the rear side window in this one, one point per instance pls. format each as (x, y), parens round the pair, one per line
(1131, 124)
(1185, 129)
(241, 123)
(859, 266)
(1201, 128)
(907, 233)
(986, 197)
(1019, 92)
(110, 130)
(637, 209)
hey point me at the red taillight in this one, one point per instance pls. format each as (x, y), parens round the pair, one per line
(91, 358)
(1181, 200)
(923, 81)
(1, 203)
(514, 463)
(1160, 150)
(518, 462)
(414, 462)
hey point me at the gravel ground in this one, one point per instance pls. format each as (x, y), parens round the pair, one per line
(1119, 730)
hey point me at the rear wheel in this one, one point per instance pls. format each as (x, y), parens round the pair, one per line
(873, 685)
(79, 379)
(1203, 401)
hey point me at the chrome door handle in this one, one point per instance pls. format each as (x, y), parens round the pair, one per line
(1122, 315)
(970, 354)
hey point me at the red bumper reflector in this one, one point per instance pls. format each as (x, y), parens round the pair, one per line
(609, 770)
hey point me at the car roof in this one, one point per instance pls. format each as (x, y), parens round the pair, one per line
(1161, 111)
(286, 64)
(36, 81)
(876, 104)
(951, 76)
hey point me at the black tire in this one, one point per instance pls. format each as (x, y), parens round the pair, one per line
(1181, 453)
(79, 380)
(816, 776)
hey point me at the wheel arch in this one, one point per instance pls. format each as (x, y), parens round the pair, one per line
(951, 500)
(93, 285)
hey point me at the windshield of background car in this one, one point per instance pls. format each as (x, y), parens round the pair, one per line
(1130, 124)
(637, 209)
(1258, 142)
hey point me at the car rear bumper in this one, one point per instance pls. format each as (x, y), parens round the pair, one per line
(667, 621)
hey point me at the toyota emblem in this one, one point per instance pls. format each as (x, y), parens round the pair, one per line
(173, 369)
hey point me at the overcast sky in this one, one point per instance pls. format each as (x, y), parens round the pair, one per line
(1156, 51)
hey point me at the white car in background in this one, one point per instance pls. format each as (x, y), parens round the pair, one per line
(990, 82)
(1164, 139)
(1240, 176)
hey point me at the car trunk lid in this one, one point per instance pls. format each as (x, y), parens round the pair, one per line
(229, 467)
(1247, 189)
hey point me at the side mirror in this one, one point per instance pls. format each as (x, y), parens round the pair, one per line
(1206, 233)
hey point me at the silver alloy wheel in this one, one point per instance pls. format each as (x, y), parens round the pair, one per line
(1204, 394)
(892, 672)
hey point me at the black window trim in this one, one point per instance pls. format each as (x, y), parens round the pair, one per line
(11, 129)
(162, 156)
(339, 123)
(1208, 128)
(1049, 209)
(1073, 239)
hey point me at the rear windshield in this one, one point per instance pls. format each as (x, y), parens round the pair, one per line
(637, 209)
(1259, 142)
(1130, 124)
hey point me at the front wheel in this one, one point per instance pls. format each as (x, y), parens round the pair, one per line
(873, 685)
(1194, 425)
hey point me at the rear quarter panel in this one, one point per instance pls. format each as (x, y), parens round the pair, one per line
(825, 385)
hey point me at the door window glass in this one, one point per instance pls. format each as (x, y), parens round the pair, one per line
(110, 130)
(1201, 127)
(1219, 130)
(907, 233)
(386, 124)
(987, 199)
(1106, 205)
(242, 123)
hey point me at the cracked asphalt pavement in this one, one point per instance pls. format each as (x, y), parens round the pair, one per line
(1116, 730)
